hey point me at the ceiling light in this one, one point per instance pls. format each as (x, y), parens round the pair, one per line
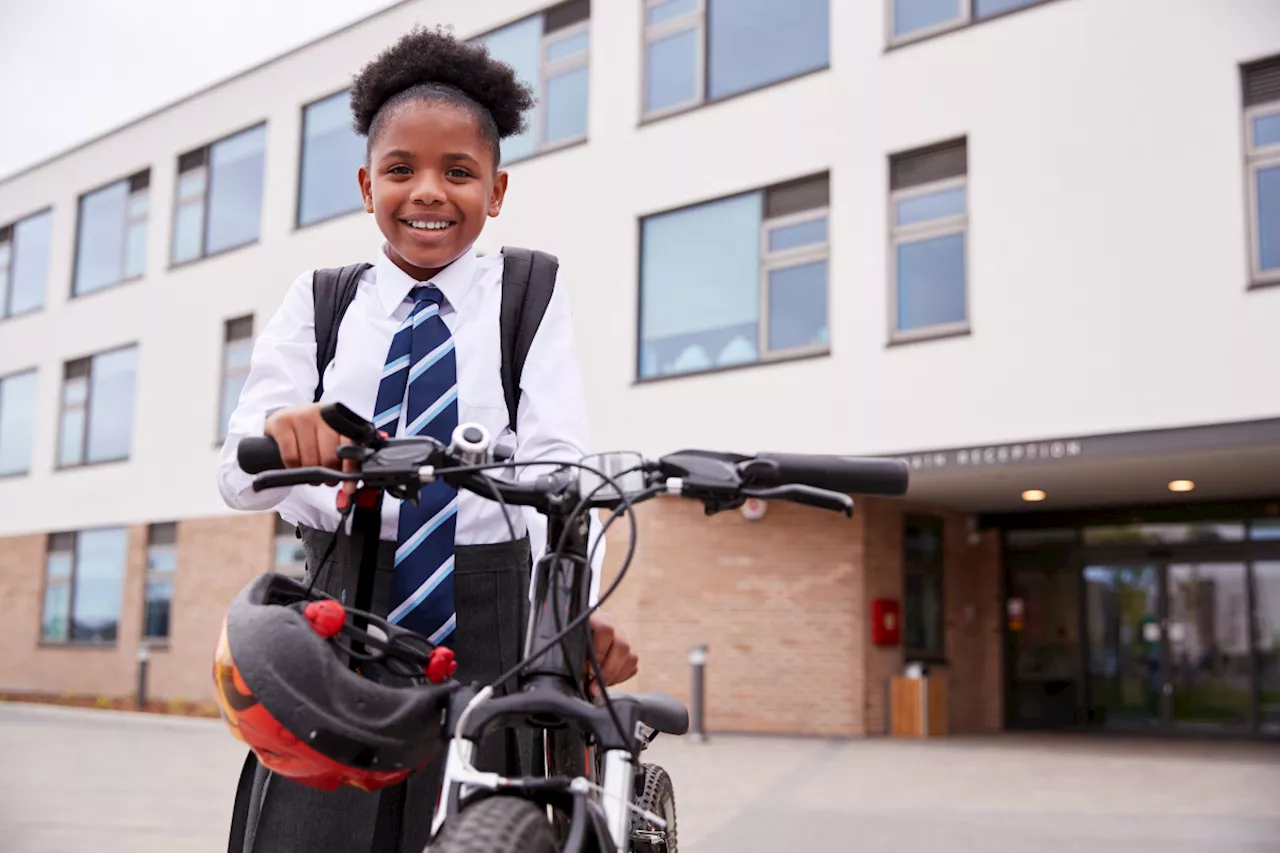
(1033, 495)
(1181, 486)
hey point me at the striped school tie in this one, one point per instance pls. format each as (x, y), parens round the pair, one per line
(421, 377)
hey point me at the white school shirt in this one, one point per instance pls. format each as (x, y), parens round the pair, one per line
(551, 421)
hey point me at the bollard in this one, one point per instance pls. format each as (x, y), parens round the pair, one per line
(698, 664)
(144, 660)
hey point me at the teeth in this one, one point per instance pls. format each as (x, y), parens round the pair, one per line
(430, 226)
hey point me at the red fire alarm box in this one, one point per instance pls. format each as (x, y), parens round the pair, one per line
(886, 622)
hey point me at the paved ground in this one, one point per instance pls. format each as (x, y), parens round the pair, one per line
(74, 781)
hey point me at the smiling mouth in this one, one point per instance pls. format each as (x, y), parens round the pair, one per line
(439, 225)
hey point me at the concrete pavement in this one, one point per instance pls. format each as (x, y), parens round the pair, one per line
(74, 781)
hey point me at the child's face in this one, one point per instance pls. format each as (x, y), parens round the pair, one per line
(431, 166)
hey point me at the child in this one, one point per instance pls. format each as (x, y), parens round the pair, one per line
(417, 360)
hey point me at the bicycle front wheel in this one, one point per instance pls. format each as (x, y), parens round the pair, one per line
(497, 825)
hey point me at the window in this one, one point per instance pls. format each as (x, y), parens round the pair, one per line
(219, 198)
(549, 52)
(97, 408)
(162, 560)
(922, 614)
(705, 50)
(290, 558)
(17, 421)
(237, 348)
(913, 19)
(111, 239)
(1262, 134)
(735, 281)
(928, 232)
(84, 582)
(24, 263)
(331, 153)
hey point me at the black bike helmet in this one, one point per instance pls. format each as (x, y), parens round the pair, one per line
(323, 701)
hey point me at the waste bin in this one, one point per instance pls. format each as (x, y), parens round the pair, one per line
(918, 703)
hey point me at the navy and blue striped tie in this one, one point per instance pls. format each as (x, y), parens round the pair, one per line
(421, 378)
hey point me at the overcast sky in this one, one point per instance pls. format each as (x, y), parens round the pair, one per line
(72, 69)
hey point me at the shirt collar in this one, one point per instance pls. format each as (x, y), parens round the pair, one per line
(393, 284)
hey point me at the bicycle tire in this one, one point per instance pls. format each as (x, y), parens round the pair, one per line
(659, 797)
(500, 824)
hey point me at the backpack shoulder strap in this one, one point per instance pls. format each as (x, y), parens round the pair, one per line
(528, 280)
(332, 289)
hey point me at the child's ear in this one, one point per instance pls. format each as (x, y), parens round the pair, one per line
(366, 188)
(498, 194)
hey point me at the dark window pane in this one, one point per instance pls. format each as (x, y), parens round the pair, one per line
(111, 405)
(700, 287)
(671, 9)
(1266, 586)
(929, 164)
(809, 233)
(235, 189)
(99, 580)
(912, 15)
(798, 306)
(520, 46)
(987, 8)
(159, 599)
(17, 421)
(922, 616)
(332, 152)
(937, 205)
(566, 106)
(1164, 533)
(1269, 217)
(754, 42)
(931, 282)
(1266, 130)
(30, 263)
(100, 247)
(670, 74)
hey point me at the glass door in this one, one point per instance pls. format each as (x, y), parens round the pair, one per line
(1210, 668)
(1125, 660)
(1266, 599)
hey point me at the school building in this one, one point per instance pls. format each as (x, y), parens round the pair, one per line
(1028, 245)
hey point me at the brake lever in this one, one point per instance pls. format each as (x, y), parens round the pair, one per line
(343, 421)
(807, 495)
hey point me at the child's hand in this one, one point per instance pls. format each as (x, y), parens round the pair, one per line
(305, 440)
(618, 661)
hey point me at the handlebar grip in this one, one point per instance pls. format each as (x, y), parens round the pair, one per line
(259, 453)
(849, 475)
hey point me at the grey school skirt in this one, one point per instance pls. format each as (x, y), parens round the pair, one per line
(275, 815)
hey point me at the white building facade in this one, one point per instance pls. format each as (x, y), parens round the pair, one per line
(1027, 245)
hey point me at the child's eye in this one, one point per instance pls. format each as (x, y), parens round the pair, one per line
(458, 172)
(398, 170)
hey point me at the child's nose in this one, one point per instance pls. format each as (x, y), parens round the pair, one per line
(428, 189)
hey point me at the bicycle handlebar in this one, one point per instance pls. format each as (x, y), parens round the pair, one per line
(719, 480)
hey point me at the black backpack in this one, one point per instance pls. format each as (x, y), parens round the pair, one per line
(528, 279)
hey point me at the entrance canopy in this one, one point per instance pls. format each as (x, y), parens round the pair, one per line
(1220, 462)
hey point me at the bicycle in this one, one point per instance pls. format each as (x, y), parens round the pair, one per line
(611, 802)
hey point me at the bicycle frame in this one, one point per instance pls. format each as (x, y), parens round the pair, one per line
(548, 698)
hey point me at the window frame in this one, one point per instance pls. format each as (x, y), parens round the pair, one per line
(84, 462)
(34, 371)
(1257, 159)
(150, 575)
(298, 224)
(224, 374)
(695, 20)
(911, 653)
(206, 167)
(765, 262)
(771, 261)
(11, 240)
(126, 223)
(916, 232)
(963, 21)
(71, 582)
(553, 68)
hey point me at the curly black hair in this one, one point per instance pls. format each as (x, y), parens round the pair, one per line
(433, 65)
